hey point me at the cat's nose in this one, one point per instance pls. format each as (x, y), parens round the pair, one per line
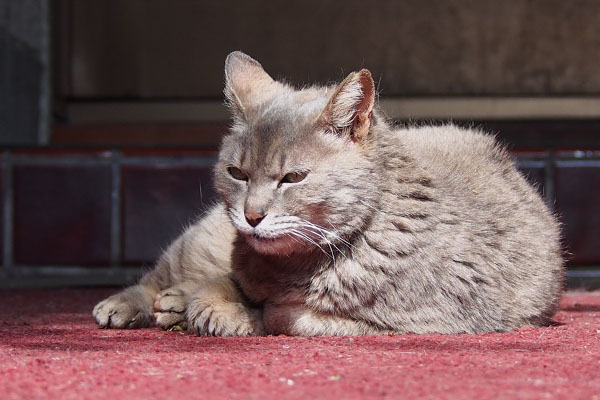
(254, 218)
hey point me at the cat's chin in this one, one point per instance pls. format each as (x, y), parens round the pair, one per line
(282, 245)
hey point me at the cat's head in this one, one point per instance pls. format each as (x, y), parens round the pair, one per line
(296, 171)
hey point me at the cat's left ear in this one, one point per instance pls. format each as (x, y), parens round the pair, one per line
(350, 109)
(246, 83)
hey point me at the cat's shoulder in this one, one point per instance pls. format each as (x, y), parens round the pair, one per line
(447, 134)
(451, 139)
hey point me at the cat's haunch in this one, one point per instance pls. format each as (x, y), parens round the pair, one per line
(333, 222)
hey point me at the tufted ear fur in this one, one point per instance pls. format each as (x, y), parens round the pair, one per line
(246, 83)
(349, 111)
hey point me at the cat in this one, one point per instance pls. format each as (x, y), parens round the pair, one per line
(333, 222)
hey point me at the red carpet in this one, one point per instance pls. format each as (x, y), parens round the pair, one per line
(50, 347)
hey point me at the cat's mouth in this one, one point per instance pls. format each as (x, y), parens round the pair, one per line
(281, 244)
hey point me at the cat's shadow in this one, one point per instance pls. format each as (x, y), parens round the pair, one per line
(581, 308)
(59, 339)
(462, 343)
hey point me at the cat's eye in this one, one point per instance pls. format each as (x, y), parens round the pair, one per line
(237, 173)
(294, 177)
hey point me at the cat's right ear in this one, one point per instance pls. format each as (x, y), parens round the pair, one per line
(349, 111)
(246, 83)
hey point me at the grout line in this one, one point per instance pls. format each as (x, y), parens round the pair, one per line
(62, 160)
(48, 276)
(8, 213)
(76, 270)
(205, 161)
(528, 163)
(45, 276)
(115, 215)
(578, 163)
(587, 273)
(576, 270)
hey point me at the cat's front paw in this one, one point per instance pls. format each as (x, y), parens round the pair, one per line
(169, 309)
(125, 310)
(223, 319)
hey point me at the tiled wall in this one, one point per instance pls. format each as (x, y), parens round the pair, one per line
(95, 216)
(570, 181)
(577, 180)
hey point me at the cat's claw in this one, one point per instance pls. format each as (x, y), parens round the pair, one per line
(122, 311)
(169, 309)
(223, 319)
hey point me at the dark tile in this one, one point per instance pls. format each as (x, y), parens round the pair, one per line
(532, 163)
(536, 176)
(158, 202)
(62, 215)
(578, 205)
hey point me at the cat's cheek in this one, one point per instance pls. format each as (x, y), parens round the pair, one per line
(228, 188)
(233, 199)
(302, 201)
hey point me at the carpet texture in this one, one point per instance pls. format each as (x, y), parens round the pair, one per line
(51, 348)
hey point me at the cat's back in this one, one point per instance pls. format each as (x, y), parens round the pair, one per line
(473, 175)
(469, 166)
(474, 215)
(449, 150)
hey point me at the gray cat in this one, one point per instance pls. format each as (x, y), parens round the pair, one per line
(334, 223)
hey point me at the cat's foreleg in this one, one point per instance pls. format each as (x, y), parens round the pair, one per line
(200, 254)
(132, 307)
(220, 309)
(298, 320)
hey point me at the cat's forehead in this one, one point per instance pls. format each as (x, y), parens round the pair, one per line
(291, 106)
(281, 131)
(286, 117)
(276, 140)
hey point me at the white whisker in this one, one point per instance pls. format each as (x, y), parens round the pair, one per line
(304, 236)
(294, 228)
(324, 234)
